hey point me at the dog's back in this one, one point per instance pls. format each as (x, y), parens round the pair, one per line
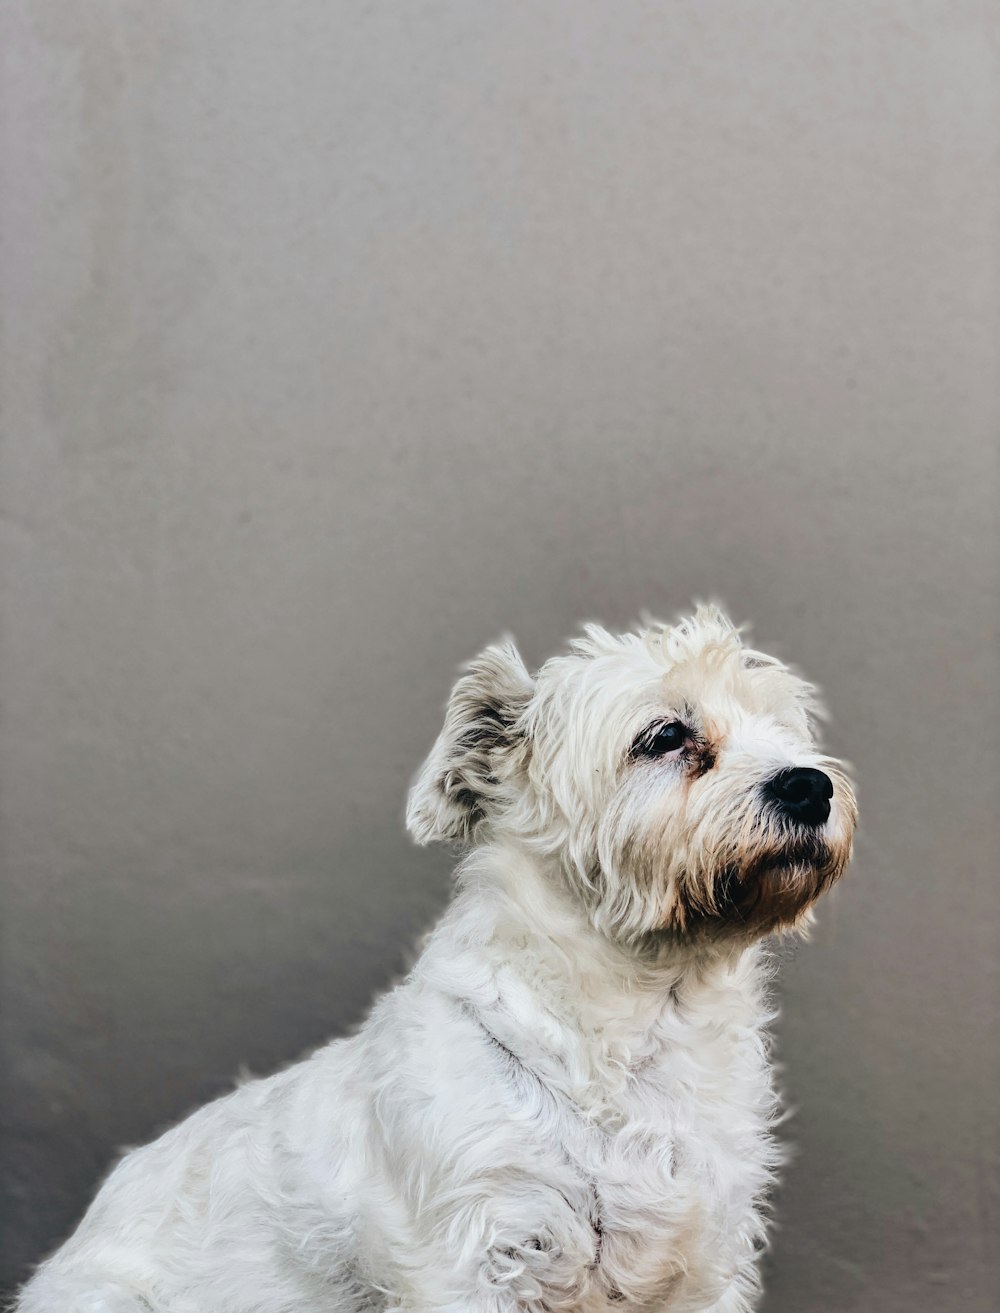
(228, 1180)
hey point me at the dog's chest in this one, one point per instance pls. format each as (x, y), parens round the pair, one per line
(677, 1183)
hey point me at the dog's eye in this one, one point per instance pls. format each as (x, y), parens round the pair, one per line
(662, 739)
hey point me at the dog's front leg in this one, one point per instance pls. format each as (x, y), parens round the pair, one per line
(503, 1255)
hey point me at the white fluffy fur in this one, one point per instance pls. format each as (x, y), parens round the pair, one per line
(567, 1103)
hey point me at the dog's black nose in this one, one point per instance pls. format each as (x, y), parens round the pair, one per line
(803, 794)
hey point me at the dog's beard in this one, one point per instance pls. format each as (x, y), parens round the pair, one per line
(755, 874)
(765, 889)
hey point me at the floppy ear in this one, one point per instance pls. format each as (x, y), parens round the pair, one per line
(479, 754)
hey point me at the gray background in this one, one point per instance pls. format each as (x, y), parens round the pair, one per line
(340, 338)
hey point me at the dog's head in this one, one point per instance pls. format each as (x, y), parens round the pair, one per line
(674, 774)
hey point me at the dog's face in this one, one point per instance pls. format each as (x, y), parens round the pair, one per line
(674, 774)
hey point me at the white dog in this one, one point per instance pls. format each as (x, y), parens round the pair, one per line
(567, 1103)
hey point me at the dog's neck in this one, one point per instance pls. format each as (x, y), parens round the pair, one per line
(522, 956)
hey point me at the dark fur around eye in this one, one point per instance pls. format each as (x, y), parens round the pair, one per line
(660, 739)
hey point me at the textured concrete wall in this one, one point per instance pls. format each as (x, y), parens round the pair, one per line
(338, 339)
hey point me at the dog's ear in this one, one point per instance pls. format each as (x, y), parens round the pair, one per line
(480, 753)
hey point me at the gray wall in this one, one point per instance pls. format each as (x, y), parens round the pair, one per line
(340, 338)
